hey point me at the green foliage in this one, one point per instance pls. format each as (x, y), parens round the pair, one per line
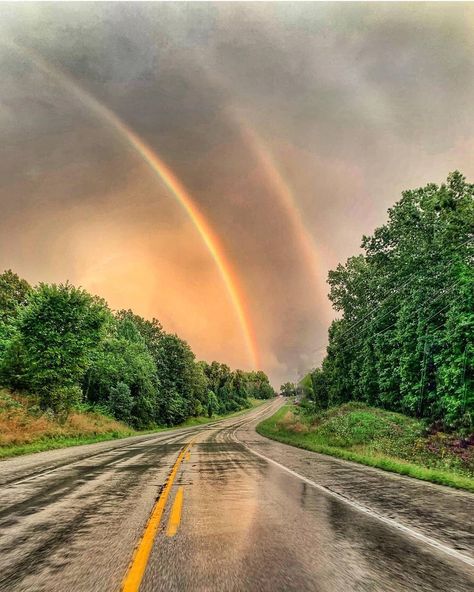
(232, 390)
(352, 425)
(179, 379)
(320, 389)
(53, 342)
(259, 386)
(122, 361)
(67, 348)
(404, 340)
(220, 382)
(14, 293)
(121, 402)
(305, 386)
(378, 438)
(62, 399)
(288, 389)
(212, 404)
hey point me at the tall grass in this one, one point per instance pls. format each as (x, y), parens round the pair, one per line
(373, 437)
(25, 429)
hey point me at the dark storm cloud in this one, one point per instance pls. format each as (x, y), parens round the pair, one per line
(355, 101)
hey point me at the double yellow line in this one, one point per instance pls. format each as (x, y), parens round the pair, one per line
(137, 567)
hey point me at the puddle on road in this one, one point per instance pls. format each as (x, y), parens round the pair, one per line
(250, 517)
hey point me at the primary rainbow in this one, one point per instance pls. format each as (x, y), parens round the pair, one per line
(174, 186)
(281, 189)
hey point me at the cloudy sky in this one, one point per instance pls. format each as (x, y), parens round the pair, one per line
(292, 127)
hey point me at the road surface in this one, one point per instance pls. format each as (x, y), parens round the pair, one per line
(220, 508)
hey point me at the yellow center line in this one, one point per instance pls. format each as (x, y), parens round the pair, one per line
(175, 516)
(188, 455)
(137, 567)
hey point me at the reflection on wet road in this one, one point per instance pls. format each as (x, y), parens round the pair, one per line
(232, 520)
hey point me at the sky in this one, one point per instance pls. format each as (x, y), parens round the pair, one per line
(207, 164)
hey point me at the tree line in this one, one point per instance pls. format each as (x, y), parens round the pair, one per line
(404, 339)
(68, 349)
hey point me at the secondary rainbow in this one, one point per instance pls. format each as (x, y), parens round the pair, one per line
(281, 189)
(283, 192)
(175, 187)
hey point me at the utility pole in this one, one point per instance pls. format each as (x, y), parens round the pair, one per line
(464, 380)
(423, 373)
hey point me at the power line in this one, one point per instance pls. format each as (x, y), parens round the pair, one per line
(424, 363)
(451, 287)
(464, 380)
(386, 329)
(350, 329)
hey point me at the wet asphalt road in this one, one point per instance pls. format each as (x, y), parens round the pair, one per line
(256, 515)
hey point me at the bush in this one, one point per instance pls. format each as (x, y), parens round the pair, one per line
(62, 399)
(121, 402)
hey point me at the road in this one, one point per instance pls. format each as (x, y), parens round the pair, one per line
(220, 508)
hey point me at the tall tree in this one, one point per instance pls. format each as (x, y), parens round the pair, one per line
(405, 334)
(122, 375)
(14, 293)
(56, 335)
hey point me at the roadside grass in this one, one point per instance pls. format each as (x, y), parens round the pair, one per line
(24, 429)
(376, 438)
(60, 442)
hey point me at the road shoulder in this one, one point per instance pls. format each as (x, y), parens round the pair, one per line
(440, 513)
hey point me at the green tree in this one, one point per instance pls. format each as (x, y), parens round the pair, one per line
(121, 402)
(121, 360)
(259, 385)
(288, 389)
(212, 404)
(56, 334)
(403, 340)
(178, 375)
(14, 293)
(62, 344)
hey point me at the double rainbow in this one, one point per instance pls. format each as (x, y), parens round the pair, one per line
(176, 188)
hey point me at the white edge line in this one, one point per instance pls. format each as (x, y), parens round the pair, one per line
(392, 523)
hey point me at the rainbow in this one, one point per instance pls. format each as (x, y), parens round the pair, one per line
(165, 174)
(283, 192)
(280, 187)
